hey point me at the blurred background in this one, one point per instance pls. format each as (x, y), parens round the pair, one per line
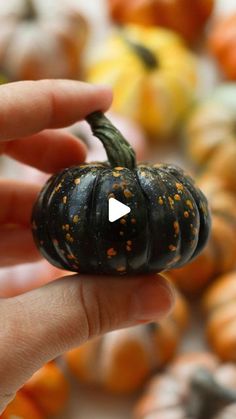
(174, 100)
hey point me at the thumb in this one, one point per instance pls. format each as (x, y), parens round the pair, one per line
(43, 323)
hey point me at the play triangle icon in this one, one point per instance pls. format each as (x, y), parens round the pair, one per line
(116, 210)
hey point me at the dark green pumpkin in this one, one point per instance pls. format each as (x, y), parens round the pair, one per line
(168, 224)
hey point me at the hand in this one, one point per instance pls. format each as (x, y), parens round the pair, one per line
(40, 324)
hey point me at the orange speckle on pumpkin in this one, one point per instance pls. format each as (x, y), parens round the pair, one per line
(111, 252)
(69, 238)
(189, 203)
(119, 168)
(111, 195)
(77, 181)
(64, 199)
(160, 200)
(179, 186)
(171, 202)
(133, 220)
(116, 185)
(123, 221)
(128, 248)
(127, 193)
(75, 219)
(172, 247)
(176, 227)
(129, 242)
(71, 257)
(186, 214)
(121, 233)
(58, 187)
(116, 174)
(177, 197)
(66, 227)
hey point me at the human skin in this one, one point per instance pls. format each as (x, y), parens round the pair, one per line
(42, 323)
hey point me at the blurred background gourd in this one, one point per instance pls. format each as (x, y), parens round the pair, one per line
(210, 136)
(220, 309)
(45, 394)
(121, 361)
(195, 385)
(218, 256)
(152, 74)
(39, 42)
(177, 15)
(222, 44)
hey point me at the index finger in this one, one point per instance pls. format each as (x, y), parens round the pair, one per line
(27, 107)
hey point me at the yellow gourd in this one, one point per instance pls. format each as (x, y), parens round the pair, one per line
(152, 74)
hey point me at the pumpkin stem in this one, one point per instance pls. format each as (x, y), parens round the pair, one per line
(119, 151)
(207, 396)
(147, 57)
(30, 10)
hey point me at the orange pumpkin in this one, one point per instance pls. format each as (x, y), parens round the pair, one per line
(48, 388)
(220, 308)
(218, 256)
(222, 44)
(173, 14)
(22, 407)
(121, 361)
(37, 41)
(194, 386)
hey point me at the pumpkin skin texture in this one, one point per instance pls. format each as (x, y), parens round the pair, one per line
(168, 223)
(173, 14)
(194, 386)
(121, 361)
(48, 388)
(218, 256)
(222, 44)
(22, 407)
(219, 306)
(152, 74)
(210, 135)
(37, 43)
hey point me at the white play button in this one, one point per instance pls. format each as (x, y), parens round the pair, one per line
(116, 210)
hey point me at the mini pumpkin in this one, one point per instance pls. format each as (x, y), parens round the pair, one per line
(218, 256)
(173, 14)
(48, 388)
(168, 223)
(194, 386)
(121, 361)
(23, 407)
(38, 43)
(210, 134)
(152, 74)
(222, 44)
(219, 306)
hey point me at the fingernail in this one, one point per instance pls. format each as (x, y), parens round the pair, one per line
(152, 300)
